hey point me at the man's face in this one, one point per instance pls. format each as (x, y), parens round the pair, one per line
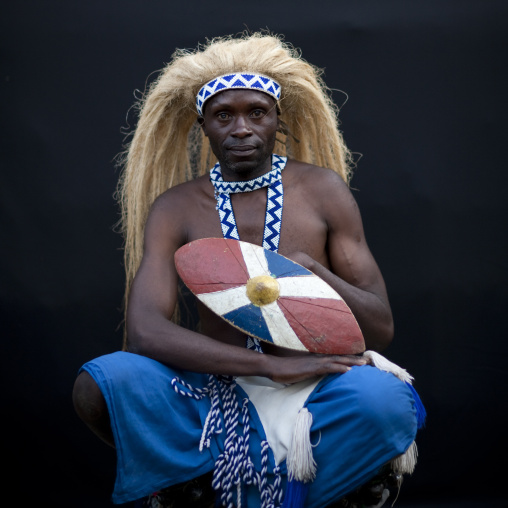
(241, 126)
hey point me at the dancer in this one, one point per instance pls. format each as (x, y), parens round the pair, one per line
(179, 403)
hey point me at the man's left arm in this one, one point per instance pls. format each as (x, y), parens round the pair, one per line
(353, 272)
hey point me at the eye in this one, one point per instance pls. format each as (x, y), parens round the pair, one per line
(222, 116)
(258, 113)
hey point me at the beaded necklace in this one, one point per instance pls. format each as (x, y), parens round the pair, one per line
(275, 195)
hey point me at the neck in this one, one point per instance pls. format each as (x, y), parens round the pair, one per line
(244, 171)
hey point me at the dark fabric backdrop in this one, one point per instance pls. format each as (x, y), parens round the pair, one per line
(427, 110)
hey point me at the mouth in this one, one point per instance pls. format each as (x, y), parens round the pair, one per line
(242, 149)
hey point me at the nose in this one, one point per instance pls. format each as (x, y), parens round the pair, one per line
(241, 127)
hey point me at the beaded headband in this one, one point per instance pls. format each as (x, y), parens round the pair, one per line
(245, 80)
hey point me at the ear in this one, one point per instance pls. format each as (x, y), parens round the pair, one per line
(201, 122)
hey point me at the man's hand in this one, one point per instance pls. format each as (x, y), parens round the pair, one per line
(289, 370)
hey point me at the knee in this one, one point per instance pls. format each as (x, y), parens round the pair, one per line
(89, 403)
(91, 407)
(387, 406)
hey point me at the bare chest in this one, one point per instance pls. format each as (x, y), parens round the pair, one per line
(302, 227)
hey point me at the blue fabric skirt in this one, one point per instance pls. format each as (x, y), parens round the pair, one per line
(361, 420)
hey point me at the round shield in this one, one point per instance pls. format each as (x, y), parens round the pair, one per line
(268, 296)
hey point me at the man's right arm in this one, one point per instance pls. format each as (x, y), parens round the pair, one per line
(153, 298)
(152, 301)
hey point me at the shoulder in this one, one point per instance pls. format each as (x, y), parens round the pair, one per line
(322, 186)
(179, 196)
(314, 177)
(173, 210)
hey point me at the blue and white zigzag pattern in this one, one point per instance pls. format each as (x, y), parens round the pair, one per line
(220, 186)
(273, 218)
(245, 80)
(274, 202)
(252, 185)
(227, 216)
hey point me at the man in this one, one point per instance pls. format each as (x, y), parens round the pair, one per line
(154, 402)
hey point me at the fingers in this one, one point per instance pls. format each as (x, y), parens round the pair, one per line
(294, 369)
(350, 360)
(342, 363)
(301, 258)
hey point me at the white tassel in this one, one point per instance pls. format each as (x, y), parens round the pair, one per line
(300, 461)
(406, 462)
(382, 363)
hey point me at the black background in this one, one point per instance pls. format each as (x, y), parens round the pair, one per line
(427, 111)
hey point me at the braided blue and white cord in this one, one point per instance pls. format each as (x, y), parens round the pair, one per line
(233, 466)
(213, 423)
